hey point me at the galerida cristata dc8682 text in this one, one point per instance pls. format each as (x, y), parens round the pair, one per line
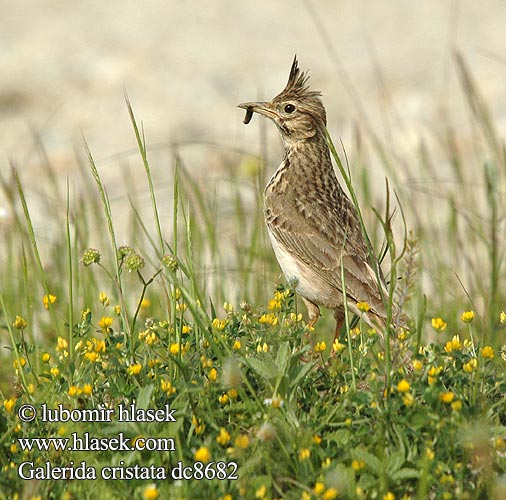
(313, 226)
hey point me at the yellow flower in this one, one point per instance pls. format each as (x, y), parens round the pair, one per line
(167, 387)
(263, 347)
(202, 455)
(224, 437)
(306, 496)
(470, 366)
(232, 393)
(467, 316)
(456, 343)
(181, 306)
(22, 361)
(456, 405)
(304, 454)
(389, 496)
(237, 345)
(73, 390)
(134, 369)
(357, 465)
(438, 324)
(502, 317)
(105, 323)
(117, 310)
(87, 389)
(316, 439)
(226, 497)
(320, 346)
(408, 399)
(319, 488)
(104, 299)
(330, 494)
(9, 404)
(19, 323)
(429, 453)
(220, 324)
(92, 357)
(241, 441)
(212, 375)
(46, 357)
(487, 352)
(54, 371)
(150, 492)
(403, 385)
(446, 397)
(417, 365)
(186, 329)
(61, 344)
(175, 348)
(363, 306)
(274, 304)
(270, 319)
(48, 299)
(338, 347)
(223, 399)
(261, 492)
(145, 303)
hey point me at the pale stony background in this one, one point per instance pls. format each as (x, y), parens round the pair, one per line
(185, 65)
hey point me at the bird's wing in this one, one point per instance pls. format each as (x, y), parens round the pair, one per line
(322, 245)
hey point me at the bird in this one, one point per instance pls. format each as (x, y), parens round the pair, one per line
(313, 226)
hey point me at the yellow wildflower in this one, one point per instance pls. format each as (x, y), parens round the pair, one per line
(338, 347)
(241, 441)
(363, 306)
(232, 393)
(467, 316)
(389, 496)
(320, 346)
(220, 324)
(54, 371)
(134, 369)
(470, 366)
(403, 385)
(261, 492)
(9, 404)
(117, 310)
(186, 329)
(175, 348)
(150, 492)
(357, 465)
(223, 399)
(316, 439)
(429, 453)
(263, 347)
(61, 344)
(456, 405)
(408, 399)
(105, 323)
(145, 303)
(330, 494)
(73, 390)
(181, 306)
(212, 375)
(167, 387)
(446, 397)
(202, 455)
(104, 299)
(22, 361)
(273, 304)
(487, 352)
(304, 454)
(224, 437)
(19, 323)
(502, 317)
(417, 365)
(46, 357)
(319, 487)
(237, 345)
(270, 319)
(48, 299)
(87, 389)
(438, 324)
(92, 357)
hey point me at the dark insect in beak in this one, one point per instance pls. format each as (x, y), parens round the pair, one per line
(249, 114)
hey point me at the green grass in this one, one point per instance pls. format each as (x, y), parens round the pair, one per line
(189, 311)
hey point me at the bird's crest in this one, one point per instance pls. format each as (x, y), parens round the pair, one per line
(297, 83)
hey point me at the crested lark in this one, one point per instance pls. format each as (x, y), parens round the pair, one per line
(313, 226)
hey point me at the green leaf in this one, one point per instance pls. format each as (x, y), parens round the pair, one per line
(373, 462)
(144, 397)
(405, 473)
(266, 369)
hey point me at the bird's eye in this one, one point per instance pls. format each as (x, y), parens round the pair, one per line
(289, 108)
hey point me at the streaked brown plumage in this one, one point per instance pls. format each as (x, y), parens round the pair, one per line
(313, 226)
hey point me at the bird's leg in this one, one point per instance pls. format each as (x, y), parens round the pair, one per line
(313, 311)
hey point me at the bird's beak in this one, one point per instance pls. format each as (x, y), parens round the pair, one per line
(262, 108)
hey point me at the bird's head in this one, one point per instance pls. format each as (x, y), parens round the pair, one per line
(297, 111)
